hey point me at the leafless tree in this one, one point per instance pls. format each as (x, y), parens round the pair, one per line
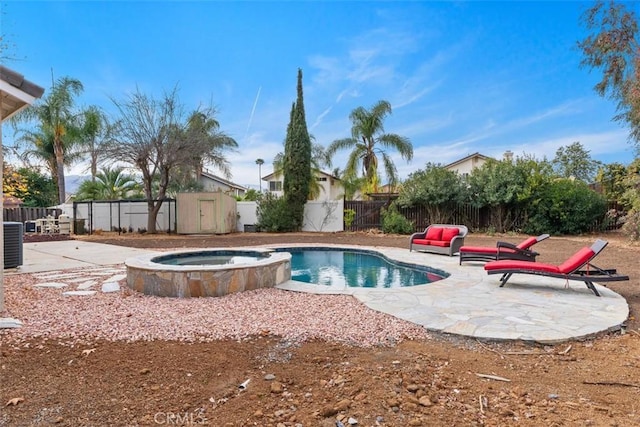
(156, 137)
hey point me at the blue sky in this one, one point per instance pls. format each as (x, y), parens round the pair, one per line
(462, 77)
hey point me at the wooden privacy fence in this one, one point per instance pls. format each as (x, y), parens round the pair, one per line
(367, 216)
(28, 214)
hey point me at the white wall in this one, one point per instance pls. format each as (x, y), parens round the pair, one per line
(327, 216)
(247, 214)
(324, 216)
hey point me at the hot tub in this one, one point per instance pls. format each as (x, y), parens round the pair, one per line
(208, 272)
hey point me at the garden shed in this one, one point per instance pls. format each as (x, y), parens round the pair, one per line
(206, 213)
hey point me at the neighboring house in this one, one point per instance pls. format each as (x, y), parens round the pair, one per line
(465, 165)
(385, 192)
(330, 186)
(213, 183)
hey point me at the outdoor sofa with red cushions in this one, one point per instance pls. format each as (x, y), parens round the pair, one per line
(502, 250)
(439, 238)
(578, 267)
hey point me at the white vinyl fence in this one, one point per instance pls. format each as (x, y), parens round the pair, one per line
(126, 215)
(324, 216)
(123, 215)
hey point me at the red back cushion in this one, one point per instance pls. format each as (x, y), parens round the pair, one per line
(434, 233)
(527, 243)
(579, 259)
(449, 233)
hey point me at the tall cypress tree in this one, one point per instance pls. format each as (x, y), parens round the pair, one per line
(297, 160)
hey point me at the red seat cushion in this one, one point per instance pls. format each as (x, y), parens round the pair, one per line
(440, 243)
(479, 249)
(421, 242)
(434, 233)
(521, 265)
(579, 259)
(449, 233)
(527, 243)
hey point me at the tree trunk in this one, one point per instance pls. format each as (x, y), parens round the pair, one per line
(154, 208)
(59, 153)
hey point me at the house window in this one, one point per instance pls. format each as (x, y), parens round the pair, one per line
(275, 185)
(321, 178)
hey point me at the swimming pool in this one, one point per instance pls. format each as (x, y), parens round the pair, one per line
(336, 267)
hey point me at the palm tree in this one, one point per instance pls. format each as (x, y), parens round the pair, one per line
(40, 150)
(56, 118)
(260, 162)
(109, 184)
(368, 141)
(203, 126)
(95, 133)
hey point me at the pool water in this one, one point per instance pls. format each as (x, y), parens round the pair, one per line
(210, 258)
(340, 268)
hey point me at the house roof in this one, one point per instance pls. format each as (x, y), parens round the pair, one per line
(16, 92)
(274, 175)
(469, 157)
(228, 183)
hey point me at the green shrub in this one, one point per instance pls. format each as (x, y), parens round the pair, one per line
(274, 215)
(393, 222)
(349, 217)
(565, 206)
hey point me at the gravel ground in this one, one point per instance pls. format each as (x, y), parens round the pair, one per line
(129, 316)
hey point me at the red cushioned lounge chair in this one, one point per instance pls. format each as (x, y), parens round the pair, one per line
(569, 270)
(503, 250)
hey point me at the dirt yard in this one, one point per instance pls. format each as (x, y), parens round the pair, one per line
(443, 381)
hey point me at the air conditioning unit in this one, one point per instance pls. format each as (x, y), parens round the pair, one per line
(12, 244)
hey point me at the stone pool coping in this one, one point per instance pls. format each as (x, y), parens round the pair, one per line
(470, 302)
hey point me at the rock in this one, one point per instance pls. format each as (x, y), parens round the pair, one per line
(86, 285)
(393, 401)
(414, 422)
(110, 287)
(78, 293)
(343, 405)
(54, 285)
(409, 406)
(352, 421)
(116, 278)
(413, 388)
(9, 323)
(277, 387)
(328, 411)
(269, 377)
(425, 401)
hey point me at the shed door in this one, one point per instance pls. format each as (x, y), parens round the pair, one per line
(207, 215)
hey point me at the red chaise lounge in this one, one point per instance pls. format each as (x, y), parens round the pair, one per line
(569, 270)
(503, 250)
